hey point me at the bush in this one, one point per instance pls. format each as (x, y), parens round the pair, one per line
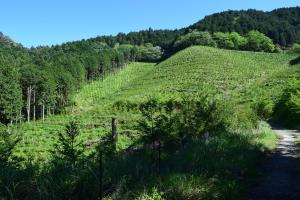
(253, 41)
(149, 53)
(264, 109)
(194, 38)
(295, 49)
(259, 42)
(68, 149)
(8, 141)
(153, 195)
(230, 40)
(287, 109)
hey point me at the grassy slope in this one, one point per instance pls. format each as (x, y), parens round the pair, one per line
(240, 77)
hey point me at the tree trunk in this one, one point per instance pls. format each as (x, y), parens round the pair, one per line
(100, 175)
(29, 90)
(20, 120)
(114, 132)
(43, 112)
(34, 105)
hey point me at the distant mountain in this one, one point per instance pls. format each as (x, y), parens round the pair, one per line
(282, 25)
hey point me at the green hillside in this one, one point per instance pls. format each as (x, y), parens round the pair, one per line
(241, 78)
(206, 107)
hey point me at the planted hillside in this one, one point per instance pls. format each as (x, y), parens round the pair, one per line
(176, 122)
(252, 82)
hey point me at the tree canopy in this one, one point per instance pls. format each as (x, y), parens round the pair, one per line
(281, 25)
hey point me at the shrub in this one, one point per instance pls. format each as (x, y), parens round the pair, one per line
(8, 141)
(68, 149)
(287, 109)
(238, 40)
(153, 195)
(174, 123)
(259, 42)
(148, 52)
(194, 38)
(230, 40)
(295, 49)
(264, 109)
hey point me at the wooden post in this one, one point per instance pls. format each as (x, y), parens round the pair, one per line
(159, 156)
(100, 175)
(114, 133)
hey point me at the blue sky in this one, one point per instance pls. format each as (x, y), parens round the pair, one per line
(47, 22)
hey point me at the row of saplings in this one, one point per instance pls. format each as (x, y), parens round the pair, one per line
(164, 131)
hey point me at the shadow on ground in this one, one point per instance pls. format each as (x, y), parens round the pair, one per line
(295, 61)
(280, 176)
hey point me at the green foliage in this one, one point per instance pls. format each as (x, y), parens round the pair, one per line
(280, 25)
(65, 88)
(242, 79)
(149, 53)
(68, 149)
(194, 38)
(8, 141)
(259, 42)
(265, 109)
(230, 40)
(295, 49)
(153, 195)
(287, 109)
(266, 137)
(204, 149)
(149, 124)
(204, 169)
(204, 146)
(253, 41)
(72, 63)
(47, 90)
(58, 72)
(238, 40)
(174, 123)
(106, 147)
(10, 95)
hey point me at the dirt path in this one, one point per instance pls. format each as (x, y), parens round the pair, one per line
(280, 179)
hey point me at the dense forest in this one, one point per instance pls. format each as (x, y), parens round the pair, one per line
(281, 25)
(38, 82)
